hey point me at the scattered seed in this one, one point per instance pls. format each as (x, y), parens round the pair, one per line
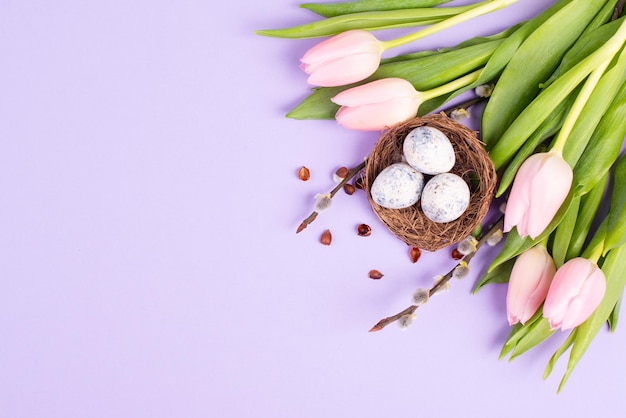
(456, 254)
(342, 172)
(375, 274)
(349, 189)
(304, 174)
(358, 182)
(364, 230)
(326, 237)
(415, 254)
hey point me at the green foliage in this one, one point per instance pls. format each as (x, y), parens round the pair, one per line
(499, 274)
(519, 82)
(341, 8)
(372, 21)
(616, 218)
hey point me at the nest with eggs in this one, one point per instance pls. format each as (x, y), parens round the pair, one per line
(472, 164)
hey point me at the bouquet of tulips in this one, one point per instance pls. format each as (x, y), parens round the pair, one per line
(553, 128)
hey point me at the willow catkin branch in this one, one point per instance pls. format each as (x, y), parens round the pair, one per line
(351, 173)
(440, 283)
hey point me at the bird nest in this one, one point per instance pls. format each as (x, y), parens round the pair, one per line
(472, 164)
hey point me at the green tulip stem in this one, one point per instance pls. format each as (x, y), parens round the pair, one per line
(479, 10)
(578, 106)
(451, 86)
(596, 253)
(613, 45)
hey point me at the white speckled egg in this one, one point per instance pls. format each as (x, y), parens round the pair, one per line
(397, 186)
(428, 150)
(445, 197)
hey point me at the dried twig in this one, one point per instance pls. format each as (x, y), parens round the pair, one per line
(440, 283)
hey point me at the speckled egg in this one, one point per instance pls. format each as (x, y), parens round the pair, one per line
(397, 186)
(445, 197)
(428, 150)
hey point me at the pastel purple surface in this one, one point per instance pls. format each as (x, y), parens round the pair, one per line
(149, 265)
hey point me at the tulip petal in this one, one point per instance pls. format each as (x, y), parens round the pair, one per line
(583, 305)
(342, 59)
(377, 116)
(550, 187)
(377, 105)
(539, 189)
(341, 45)
(342, 71)
(375, 92)
(528, 284)
(519, 198)
(576, 290)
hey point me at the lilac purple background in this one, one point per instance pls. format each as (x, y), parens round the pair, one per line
(148, 261)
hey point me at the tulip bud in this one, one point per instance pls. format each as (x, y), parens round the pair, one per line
(376, 105)
(528, 285)
(539, 189)
(575, 293)
(342, 59)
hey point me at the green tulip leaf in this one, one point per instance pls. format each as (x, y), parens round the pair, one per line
(603, 147)
(597, 104)
(593, 38)
(548, 128)
(371, 21)
(509, 344)
(518, 331)
(524, 72)
(538, 332)
(613, 318)
(563, 233)
(499, 275)
(589, 205)
(616, 218)
(540, 108)
(596, 245)
(558, 353)
(507, 49)
(342, 8)
(613, 268)
(513, 246)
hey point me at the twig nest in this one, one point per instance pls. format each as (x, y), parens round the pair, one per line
(471, 163)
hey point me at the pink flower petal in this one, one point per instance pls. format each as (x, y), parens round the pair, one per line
(576, 291)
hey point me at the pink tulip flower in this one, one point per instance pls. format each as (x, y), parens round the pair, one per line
(376, 105)
(576, 291)
(528, 285)
(346, 58)
(540, 187)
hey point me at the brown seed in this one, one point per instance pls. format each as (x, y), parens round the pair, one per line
(326, 237)
(358, 182)
(456, 254)
(349, 189)
(415, 254)
(364, 230)
(342, 172)
(375, 274)
(304, 174)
